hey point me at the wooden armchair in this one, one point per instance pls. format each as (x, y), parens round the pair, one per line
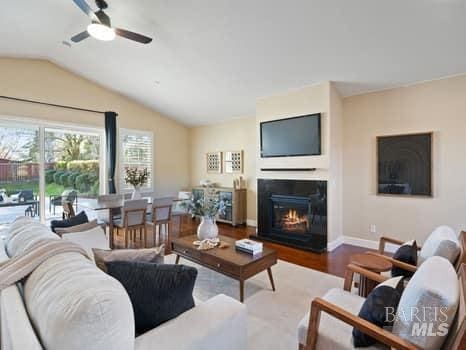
(461, 259)
(456, 339)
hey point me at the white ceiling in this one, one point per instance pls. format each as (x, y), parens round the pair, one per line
(213, 58)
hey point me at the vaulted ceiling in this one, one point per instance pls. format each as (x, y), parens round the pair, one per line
(210, 59)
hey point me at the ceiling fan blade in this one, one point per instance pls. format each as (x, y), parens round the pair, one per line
(80, 37)
(133, 36)
(86, 9)
(103, 18)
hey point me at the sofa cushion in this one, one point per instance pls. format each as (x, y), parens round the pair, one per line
(77, 228)
(407, 253)
(15, 329)
(26, 236)
(434, 245)
(152, 255)
(433, 292)
(79, 219)
(158, 292)
(93, 238)
(74, 305)
(382, 299)
(333, 333)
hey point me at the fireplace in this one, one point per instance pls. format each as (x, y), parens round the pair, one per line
(293, 212)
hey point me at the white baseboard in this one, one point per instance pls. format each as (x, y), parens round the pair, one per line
(335, 243)
(360, 242)
(251, 222)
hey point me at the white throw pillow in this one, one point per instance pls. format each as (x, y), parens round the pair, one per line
(93, 238)
(431, 245)
(428, 304)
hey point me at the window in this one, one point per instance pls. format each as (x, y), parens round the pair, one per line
(136, 152)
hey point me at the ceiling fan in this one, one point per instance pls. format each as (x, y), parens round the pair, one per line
(101, 27)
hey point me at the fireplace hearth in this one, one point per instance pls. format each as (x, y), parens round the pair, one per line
(293, 212)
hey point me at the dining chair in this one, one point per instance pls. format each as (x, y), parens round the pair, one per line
(180, 207)
(133, 219)
(104, 215)
(160, 217)
(68, 210)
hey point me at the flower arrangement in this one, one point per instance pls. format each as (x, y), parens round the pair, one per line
(208, 206)
(136, 177)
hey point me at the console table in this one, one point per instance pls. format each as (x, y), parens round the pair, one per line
(235, 202)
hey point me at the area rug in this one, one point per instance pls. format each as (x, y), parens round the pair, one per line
(273, 317)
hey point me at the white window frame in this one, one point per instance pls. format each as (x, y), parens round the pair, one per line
(125, 131)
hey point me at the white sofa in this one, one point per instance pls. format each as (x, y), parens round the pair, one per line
(68, 303)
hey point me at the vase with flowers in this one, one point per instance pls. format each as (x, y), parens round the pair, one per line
(136, 178)
(207, 207)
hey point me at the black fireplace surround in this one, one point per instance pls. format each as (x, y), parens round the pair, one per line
(293, 212)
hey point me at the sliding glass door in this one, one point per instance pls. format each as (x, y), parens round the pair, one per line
(71, 167)
(43, 165)
(19, 172)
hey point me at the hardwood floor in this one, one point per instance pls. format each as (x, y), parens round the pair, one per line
(333, 262)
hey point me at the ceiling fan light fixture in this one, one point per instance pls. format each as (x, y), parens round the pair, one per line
(101, 31)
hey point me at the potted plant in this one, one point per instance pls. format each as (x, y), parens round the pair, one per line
(207, 208)
(136, 178)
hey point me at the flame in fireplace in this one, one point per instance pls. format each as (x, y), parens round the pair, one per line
(294, 218)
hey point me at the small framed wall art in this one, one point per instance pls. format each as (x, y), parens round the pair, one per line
(404, 164)
(214, 162)
(233, 162)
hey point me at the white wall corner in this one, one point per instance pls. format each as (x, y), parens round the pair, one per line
(335, 243)
(250, 222)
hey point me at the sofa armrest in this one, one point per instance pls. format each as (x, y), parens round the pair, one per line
(219, 323)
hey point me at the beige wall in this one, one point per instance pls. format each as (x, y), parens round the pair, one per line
(44, 81)
(438, 106)
(239, 134)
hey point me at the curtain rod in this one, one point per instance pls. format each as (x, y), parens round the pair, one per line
(51, 104)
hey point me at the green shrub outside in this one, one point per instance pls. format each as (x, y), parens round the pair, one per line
(82, 183)
(95, 188)
(81, 175)
(57, 175)
(71, 182)
(49, 175)
(83, 165)
(61, 165)
(63, 179)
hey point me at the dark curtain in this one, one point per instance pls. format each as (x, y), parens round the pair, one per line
(111, 139)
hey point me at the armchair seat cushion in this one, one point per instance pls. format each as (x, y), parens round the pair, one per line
(333, 333)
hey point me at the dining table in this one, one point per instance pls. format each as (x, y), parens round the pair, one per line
(114, 207)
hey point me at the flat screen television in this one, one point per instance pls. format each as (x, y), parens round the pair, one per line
(291, 137)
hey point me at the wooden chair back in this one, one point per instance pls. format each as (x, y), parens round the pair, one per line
(162, 210)
(68, 211)
(134, 212)
(456, 339)
(462, 257)
(161, 215)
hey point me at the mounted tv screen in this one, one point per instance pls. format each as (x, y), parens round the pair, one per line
(291, 137)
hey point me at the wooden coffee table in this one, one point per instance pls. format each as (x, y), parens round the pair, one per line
(372, 263)
(227, 261)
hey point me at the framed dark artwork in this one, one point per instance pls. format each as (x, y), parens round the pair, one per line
(404, 164)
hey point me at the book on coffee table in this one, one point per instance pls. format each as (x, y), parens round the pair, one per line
(249, 246)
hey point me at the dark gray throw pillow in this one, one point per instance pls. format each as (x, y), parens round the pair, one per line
(379, 308)
(407, 253)
(158, 292)
(79, 219)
